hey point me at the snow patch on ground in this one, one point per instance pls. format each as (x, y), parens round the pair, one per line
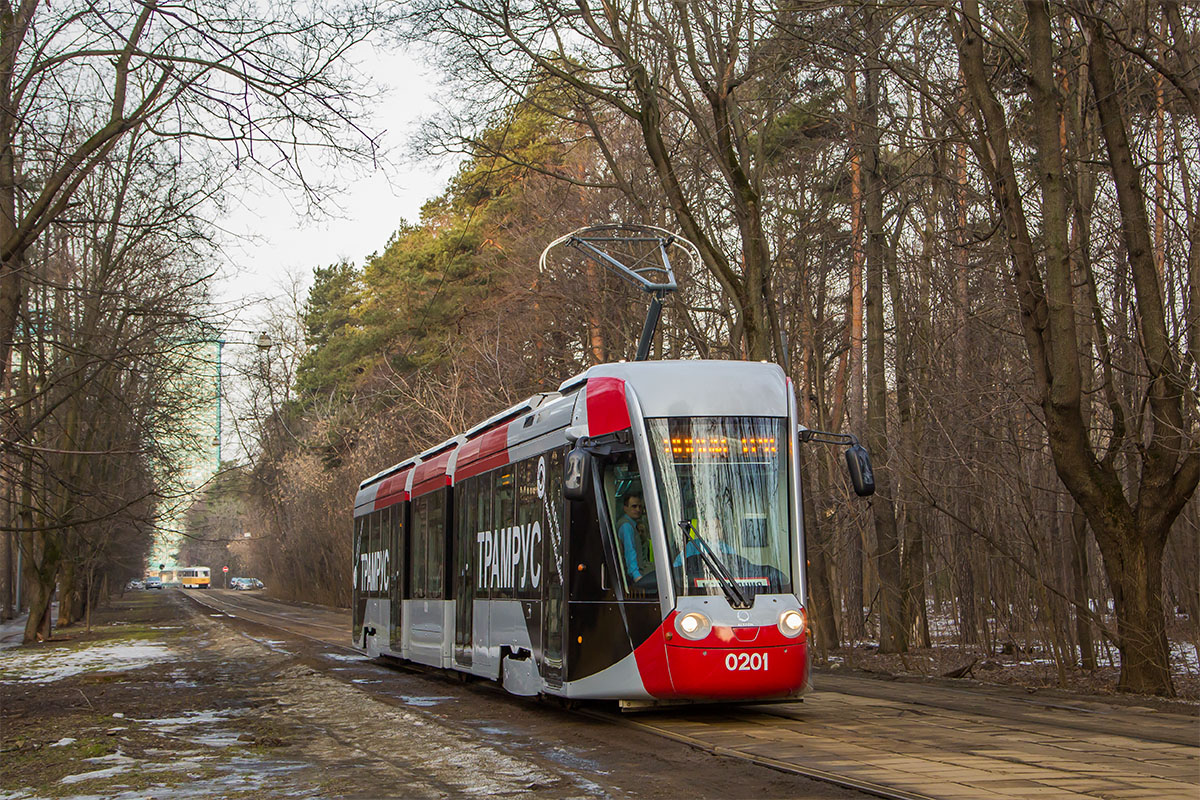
(53, 664)
(1185, 657)
(120, 763)
(176, 724)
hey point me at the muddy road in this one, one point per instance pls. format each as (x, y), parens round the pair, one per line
(168, 699)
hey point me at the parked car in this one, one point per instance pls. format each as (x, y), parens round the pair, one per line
(136, 583)
(245, 584)
(154, 582)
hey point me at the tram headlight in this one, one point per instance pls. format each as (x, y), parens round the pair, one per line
(693, 625)
(791, 622)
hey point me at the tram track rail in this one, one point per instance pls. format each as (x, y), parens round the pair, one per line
(269, 619)
(868, 732)
(844, 781)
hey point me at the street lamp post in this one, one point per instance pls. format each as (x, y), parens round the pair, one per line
(264, 343)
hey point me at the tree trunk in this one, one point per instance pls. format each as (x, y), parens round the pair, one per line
(892, 637)
(853, 545)
(1079, 580)
(68, 594)
(41, 569)
(963, 578)
(855, 404)
(818, 568)
(10, 576)
(1131, 533)
(1141, 622)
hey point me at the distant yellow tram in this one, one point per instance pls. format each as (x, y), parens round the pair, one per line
(193, 577)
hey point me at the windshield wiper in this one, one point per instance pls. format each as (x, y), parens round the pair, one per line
(715, 565)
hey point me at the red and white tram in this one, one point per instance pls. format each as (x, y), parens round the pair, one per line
(516, 551)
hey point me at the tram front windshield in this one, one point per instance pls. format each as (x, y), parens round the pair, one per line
(722, 484)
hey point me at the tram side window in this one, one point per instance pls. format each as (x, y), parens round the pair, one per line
(465, 513)
(436, 547)
(483, 522)
(420, 540)
(386, 537)
(372, 546)
(394, 543)
(529, 511)
(504, 491)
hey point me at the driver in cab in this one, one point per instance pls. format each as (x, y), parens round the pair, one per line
(631, 533)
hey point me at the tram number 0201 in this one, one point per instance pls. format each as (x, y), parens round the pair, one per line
(746, 662)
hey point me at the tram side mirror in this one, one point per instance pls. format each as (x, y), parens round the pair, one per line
(577, 474)
(858, 461)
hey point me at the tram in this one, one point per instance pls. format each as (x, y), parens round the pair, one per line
(635, 536)
(193, 577)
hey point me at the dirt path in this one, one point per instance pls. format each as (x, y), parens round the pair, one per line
(163, 700)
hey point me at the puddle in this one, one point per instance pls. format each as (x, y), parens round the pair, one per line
(423, 702)
(568, 759)
(342, 657)
(592, 788)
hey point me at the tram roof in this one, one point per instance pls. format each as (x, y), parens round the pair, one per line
(700, 387)
(388, 472)
(440, 447)
(724, 383)
(511, 412)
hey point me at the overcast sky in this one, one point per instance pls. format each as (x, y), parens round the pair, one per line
(366, 210)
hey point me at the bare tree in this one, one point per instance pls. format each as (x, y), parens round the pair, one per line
(1153, 430)
(77, 78)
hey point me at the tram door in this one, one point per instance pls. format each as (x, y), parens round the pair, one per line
(396, 578)
(554, 560)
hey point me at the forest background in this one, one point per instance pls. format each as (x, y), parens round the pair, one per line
(970, 235)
